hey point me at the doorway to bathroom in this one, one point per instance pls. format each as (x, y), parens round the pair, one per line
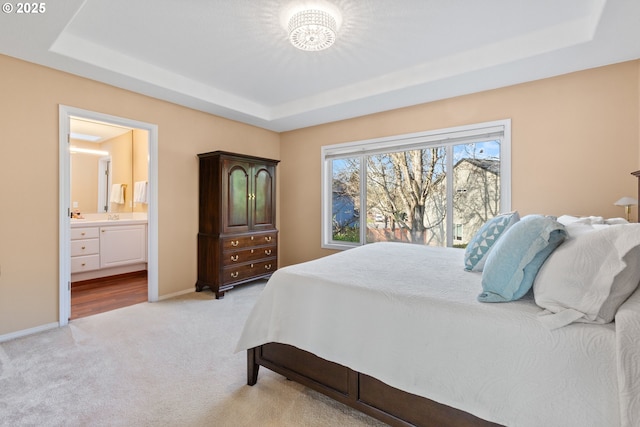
(108, 222)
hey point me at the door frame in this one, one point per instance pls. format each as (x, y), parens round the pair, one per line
(65, 114)
(104, 183)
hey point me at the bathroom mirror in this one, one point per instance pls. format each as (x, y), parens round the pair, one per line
(108, 163)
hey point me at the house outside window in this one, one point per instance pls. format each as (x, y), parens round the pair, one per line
(457, 234)
(424, 188)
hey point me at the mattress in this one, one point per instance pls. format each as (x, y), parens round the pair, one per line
(409, 316)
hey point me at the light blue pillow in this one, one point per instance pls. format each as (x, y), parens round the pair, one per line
(515, 259)
(476, 252)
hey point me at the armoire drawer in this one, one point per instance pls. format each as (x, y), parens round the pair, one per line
(240, 242)
(236, 273)
(247, 255)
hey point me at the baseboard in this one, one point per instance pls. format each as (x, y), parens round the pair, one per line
(30, 331)
(175, 294)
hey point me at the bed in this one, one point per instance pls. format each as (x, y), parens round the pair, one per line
(397, 331)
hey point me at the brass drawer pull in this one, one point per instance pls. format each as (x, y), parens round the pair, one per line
(235, 243)
(83, 264)
(83, 248)
(267, 267)
(234, 274)
(234, 257)
(267, 238)
(267, 252)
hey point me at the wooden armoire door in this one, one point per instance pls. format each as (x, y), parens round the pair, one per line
(236, 188)
(262, 199)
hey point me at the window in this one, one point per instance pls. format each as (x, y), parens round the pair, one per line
(421, 188)
(457, 233)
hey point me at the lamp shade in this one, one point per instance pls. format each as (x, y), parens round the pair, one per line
(626, 201)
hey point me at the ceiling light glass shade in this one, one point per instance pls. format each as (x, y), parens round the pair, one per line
(312, 30)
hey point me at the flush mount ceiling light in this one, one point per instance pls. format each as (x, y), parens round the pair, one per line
(312, 29)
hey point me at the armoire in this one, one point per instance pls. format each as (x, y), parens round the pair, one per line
(237, 234)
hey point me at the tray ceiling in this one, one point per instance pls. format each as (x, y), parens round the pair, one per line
(232, 57)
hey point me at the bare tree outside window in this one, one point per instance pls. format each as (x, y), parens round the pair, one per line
(400, 186)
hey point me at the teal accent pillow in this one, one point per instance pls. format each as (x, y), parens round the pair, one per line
(476, 252)
(515, 259)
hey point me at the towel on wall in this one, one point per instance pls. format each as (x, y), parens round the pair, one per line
(140, 192)
(117, 193)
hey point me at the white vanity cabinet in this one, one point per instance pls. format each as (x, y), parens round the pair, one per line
(107, 248)
(122, 245)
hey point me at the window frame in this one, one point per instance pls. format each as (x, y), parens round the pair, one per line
(447, 137)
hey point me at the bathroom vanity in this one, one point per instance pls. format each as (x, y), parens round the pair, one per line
(101, 248)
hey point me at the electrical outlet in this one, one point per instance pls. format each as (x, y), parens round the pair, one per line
(75, 205)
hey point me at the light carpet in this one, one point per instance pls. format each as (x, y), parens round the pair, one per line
(169, 363)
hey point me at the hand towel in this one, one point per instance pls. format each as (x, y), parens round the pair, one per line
(117, 194)
(140, 192)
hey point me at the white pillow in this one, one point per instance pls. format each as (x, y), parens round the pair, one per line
(589, 276)
(569, 219)
(615, 221)
(579, 225)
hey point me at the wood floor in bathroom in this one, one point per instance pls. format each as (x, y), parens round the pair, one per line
(95, 296)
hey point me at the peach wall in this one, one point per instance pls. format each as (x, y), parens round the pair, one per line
(29, 174)
(574, 142)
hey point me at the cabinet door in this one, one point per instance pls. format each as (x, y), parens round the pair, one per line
(263, 198)
(122, 245)
(236, 189)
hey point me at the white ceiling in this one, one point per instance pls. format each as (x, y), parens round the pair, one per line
(98, 131)
(232, 57)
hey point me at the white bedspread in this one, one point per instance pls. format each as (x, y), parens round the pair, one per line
(408, 315)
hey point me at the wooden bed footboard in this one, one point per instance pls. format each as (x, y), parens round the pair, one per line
(362, 392)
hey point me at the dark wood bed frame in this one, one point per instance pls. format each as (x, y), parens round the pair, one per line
(362, 392)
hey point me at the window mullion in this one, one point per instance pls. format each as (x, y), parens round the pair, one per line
(363, 199)
(450, 192)
(328, 201)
